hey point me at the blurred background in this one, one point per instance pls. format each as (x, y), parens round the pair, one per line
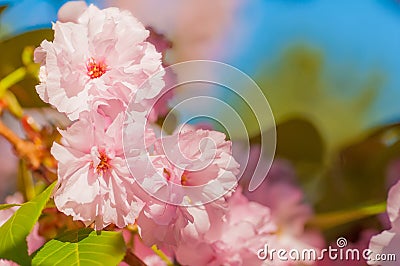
(329, 69)
(348, 47)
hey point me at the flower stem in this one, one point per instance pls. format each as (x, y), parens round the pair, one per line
(13, 105)
(332, 219)
(162, 255)
(11, 79)
(25, 181)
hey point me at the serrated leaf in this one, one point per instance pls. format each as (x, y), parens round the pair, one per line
(83, 247)
(7, 206)
(13, 233)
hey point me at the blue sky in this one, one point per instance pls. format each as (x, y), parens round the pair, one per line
(362, 34)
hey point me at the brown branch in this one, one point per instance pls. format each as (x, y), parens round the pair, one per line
(133, 260)
(25, 149)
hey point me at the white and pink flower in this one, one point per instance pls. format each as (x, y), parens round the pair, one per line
(233, 239)
(97, 53)
(185, 171)
(94, 181)
(193, 163)
(289, 209)
(388, 242)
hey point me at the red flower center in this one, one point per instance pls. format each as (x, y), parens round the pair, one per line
(184, 178)
(95, 69)
(104, 163)
(167, 174)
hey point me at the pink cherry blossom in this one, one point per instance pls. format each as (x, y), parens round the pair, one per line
(94, 181)
(236, 238)
(143, 252)
(71, 11)
(147, 255)
(34, 240)
(233, 239)
(192, 158)
(290, 213)
(159, 105)
(167, 225)
(7, 263)
(97, 53)
(289, 210)
(393, 172)
(179, 21)
(198, 159)
(388, 241)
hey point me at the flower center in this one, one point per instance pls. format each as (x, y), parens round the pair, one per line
(184, 178)
(104, 164)
(95, 69)
(166, 174)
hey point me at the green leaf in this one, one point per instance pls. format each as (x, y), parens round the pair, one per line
(299, 141)
(299, 83)
(7, 206)
(13, 233)
(360, 167)
(10, 61)
(83, 247)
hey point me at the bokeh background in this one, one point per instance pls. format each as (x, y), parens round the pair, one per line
(329, 69)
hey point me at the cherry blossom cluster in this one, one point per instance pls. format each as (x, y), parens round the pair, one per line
(388, 241)
(101, 71)
(116, 167)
